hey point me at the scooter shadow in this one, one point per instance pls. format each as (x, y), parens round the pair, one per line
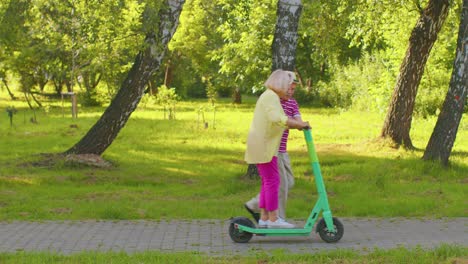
(312, 238)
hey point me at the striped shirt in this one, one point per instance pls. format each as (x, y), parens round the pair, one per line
(291, 109)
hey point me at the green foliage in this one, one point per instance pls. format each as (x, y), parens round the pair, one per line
(90, 98)
(247, 29)
(306, 96)
(377, 25)
(322, 39)
(168, 98)
(365, 85)
(70, 43)
(211, 92)
(347, 50)
(226, 41)
(192, 46)
(351, 51)
(365, 80)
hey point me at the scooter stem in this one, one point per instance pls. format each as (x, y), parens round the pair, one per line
(322, 203)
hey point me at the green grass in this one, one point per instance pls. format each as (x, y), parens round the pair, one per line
(443, 254)
(176, 169)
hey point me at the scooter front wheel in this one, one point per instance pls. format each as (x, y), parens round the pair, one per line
(237, 235)
(326, 235)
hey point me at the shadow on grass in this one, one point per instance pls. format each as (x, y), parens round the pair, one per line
(176, 148)
(180, 135)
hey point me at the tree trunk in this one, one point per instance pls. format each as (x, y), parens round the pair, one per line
(35, 100)
(445, 131)
(285, 39)
(399, 116)
(12, 96)
(91, 80)
(168, 74)
(148, 61)
(284, 46)
(237, 96)
(252, 172)
(58, 87)
(41, 79)
(26, 96)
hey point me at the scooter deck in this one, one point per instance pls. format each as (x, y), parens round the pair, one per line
(277, 231)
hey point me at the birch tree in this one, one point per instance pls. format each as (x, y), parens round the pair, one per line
(445, 131)
(285, 38)
(147, 62)
(397, 124)
(284, 44)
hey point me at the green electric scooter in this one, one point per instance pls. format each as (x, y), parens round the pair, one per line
(330, 229)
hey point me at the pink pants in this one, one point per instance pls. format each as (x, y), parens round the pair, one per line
(270, 184)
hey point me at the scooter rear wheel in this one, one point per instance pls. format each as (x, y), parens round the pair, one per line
(327, 236)
(237, 235)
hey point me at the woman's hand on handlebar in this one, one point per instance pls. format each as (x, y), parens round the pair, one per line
(305, 125)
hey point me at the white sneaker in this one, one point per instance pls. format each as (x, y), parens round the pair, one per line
(262, 224)
(279, 223)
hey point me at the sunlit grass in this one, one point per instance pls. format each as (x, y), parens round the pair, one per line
(178, 169)
(442, 254)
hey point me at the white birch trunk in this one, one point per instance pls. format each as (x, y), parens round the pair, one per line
(285, 39)
(445, 131)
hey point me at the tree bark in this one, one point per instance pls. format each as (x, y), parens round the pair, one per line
(252, 172)
(12, 96)
(399, 116)
(237, 96)
(285, 38)
(445, 131)
(284, 46)
(148, 61)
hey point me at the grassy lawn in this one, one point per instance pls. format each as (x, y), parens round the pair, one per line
(443, 254)
(177, 169)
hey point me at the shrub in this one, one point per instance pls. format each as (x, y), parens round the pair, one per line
(364, 85)
(168, 98)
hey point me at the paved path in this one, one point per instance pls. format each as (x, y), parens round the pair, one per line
(210, 236)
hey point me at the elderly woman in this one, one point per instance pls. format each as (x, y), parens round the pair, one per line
(268, 124)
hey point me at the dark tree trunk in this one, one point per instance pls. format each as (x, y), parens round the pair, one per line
(284, 45)
(12, 96)
(68, 84)
(148, 61)
(285, 39)
(26, 96)
(445, 131)
(35, 99)
(399, 116)
(41, 80)
(168, 74)
(58, 87)
(237, 96)
(252, 172)
(91, 80)
(59, 77)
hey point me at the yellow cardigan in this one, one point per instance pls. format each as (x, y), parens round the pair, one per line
(268, 124)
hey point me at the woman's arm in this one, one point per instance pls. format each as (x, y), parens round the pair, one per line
(298, 124)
